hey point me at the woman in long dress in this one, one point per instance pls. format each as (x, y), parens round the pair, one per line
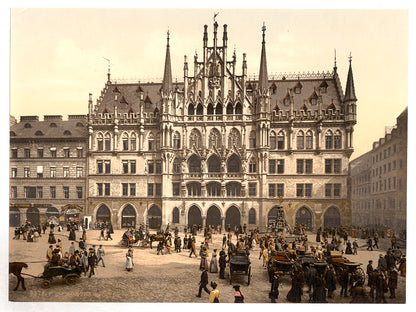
(204, 260)
(213, 267)
(129, 260)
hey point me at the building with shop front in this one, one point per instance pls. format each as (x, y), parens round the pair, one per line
(379, 181)
(219, 148)
(48, 161)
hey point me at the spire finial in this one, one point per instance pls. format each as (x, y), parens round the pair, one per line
(215, 15)
(264, 31)
(108, 73)
(168, 33)
(350, 57)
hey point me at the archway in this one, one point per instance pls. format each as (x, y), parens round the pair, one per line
(276, 216)
(154, 217)
(33, 216)
(128, 216)
(14, 219)
(52, 213)
(252, 216)
(304, 217)
(332, 218)
(175, 215)
(213, 216)
(194, 216)
(233, 163)
(214, 163)
(103, 214)
(232, 217)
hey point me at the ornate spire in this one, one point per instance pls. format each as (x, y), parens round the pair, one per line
(350, 89)
(335, 60)
(263, 78)
(167, 85)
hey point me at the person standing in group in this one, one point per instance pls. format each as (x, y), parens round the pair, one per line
(224, 241)
(193, 251)
(101, 234)
(393, 283)
(370, 271)
(92, 260)
(213, 267)
(129, 260)
(402, 265)
(381, 287)
(238, 295)
(355, 247)
(84, 235)
(214, 295)
(100, 255)
(330, 281)
(203, 282)
(49, 253)
(223, 263)
(71, 248)
(168, 245)
(274, 289)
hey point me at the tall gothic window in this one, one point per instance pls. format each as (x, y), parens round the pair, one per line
(176, 140)
(125, 140)
(133, 142)
(281, 140)
(199, 109)
(218, 109)
(210, 109)
(337, 139)
(100, 145)
(234, 138)
(328, 140)
(272, 140)
(252, 139)
(309, 140)
(151, 142)
(238, 109)
(252, 166)
(191, 109)
(300, 140)
(229, 109)
(107, 142)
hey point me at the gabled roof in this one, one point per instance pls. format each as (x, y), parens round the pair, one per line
(323, 84)
(350, 89)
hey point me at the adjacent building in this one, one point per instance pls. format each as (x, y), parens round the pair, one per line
(379, 181)
(48, 168)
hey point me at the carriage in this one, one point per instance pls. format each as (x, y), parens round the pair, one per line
(280, 262)
(240, 265)
(341, 263)
(69, 274)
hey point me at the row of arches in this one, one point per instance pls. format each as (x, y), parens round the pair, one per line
(33, 215)
(198, 109)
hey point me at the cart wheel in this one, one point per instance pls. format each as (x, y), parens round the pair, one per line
(249, 276)
(46, 283)
(70, 280)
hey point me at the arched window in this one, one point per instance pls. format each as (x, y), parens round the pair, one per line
(199, 109)
(252, 216)
(218, 109)
(107, 142)
(329, 140)
(195, 138)
(214, 163)
(229, 109)
(125, 139)
(234, 138)
(214, 138)
(191, 109)
(28, 125)
(176, 140)
(337, 139)
(157, 141)
(133, 141)
(238, 109)
(67, 132)
(175, 215)
(252, 166)
(300, 140)
(280, 140)
(272, 140)
(194, 164)
(252, 139)
(309, 140)
(233, 164)
(210, 109)
(151, 142)
(38, 132)
(100, 145)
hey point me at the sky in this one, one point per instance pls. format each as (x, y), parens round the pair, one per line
(57, 56)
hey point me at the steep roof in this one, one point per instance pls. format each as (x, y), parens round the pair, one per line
(350, 89)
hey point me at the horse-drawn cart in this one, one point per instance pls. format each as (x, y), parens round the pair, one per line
(341, 263)
(279, 262)
(69, 274)
(240, 265)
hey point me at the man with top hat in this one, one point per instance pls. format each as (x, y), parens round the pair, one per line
(92, 260)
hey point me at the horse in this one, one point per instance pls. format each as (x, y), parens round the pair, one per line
(16, 269)
(160, 237)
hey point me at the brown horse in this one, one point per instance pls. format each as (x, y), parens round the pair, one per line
(16, 269)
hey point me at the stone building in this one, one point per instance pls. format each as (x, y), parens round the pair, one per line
(48, 161)
(219, 148)
(379, 181)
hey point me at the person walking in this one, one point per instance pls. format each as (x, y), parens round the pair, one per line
(224, 241)
(223, 263)
(92, 260)
(369, 244)
(129, 260)
(370, 270)
(355, 247)
(71, 250)
(100, 255)
(101, 234)
(108, 235)
(274, 289)
(203, 283)
(402, 265)
(192, 249)
(238, 295)
(214, 295)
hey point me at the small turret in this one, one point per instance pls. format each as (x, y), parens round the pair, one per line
(350, 99)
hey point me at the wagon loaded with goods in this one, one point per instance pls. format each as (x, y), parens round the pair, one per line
(341, 263)
(69, 274)
(240, 265)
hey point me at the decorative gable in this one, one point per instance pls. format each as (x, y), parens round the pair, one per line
(116, 90)
(313, 99)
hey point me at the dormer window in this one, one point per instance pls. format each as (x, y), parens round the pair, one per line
(323, 86)
(38, 133)
(298, 88)
(52, 125)
(286, 99)
(28, 125)
(79, 124)
(313, 99)
(273, 88)
(12, 133)
(67, 132)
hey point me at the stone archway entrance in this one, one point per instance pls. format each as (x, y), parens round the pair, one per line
(52, 212)
(154, 217)
(33, 216)
(232, 218)
(213, 216)
(332, 218)
(304, 217)
(128, 217)
(103, 214)
(276, 218)
(14, 219)
(194, 216)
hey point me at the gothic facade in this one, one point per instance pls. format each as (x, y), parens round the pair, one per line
(219, 148)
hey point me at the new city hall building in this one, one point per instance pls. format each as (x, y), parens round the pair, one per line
(217, 148)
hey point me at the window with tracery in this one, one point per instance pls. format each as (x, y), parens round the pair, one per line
(234, 138)
(195, 139)
(214, 138)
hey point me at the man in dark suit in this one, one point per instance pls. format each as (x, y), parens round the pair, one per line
(204, 282)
